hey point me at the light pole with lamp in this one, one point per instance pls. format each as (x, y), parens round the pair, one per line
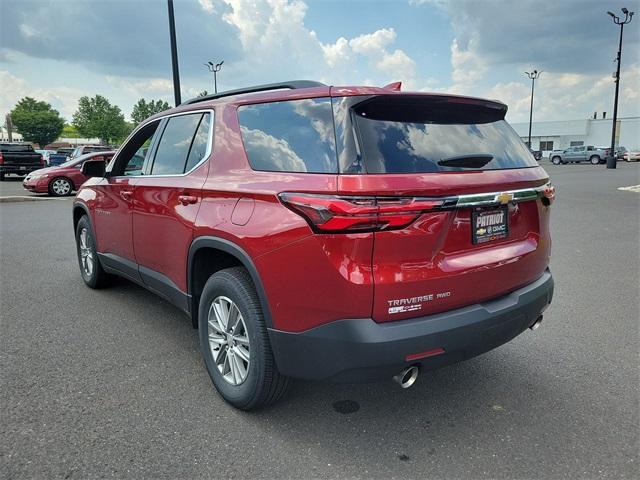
(611, 159)
(533, 76)
(214, 68)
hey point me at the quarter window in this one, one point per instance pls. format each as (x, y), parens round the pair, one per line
(290, 136)
(200, 143)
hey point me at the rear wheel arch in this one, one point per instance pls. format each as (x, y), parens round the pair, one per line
(208, 255)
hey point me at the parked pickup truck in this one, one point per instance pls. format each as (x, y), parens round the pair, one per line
(61, 156)
(19, 158)
(594, 155)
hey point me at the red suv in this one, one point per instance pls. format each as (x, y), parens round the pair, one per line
(342, 233)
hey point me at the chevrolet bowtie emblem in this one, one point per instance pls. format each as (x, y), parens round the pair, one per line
(504, 198)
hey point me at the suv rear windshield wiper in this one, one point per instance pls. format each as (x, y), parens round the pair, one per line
(476, 160)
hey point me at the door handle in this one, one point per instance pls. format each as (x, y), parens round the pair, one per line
(126, 195)
(187, 199)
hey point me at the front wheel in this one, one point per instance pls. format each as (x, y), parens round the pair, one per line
(235, 344)
(556, 160)
(595, 160)
(90, 269)
(60, 187)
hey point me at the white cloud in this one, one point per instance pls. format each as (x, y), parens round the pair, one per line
(399, 62)
(207, 6)
(375, 43)
(63, 99)
(336, 53)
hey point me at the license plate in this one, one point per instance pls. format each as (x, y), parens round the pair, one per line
(489, 225)
(23, 168)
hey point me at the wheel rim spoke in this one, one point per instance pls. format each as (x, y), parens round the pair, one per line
(228, 340)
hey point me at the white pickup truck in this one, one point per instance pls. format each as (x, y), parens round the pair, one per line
(594, 155)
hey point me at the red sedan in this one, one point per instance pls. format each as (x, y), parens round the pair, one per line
(62, 180)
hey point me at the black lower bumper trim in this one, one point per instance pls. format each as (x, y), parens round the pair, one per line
(357, 350)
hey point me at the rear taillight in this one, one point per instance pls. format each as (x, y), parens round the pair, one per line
(41, 160)
(1, 159)
(332, 214)
(548, 194)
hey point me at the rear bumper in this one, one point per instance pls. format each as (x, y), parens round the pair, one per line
(358, 350)
(20, 169)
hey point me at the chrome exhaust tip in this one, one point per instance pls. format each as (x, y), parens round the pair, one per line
(535, 325)
(407, 377)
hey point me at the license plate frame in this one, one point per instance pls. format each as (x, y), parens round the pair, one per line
(22, 169)
(485, 229)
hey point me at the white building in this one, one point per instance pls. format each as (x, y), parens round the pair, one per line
(4, 137)
(548, 136)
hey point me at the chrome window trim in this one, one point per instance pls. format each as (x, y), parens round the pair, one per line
(160, 119)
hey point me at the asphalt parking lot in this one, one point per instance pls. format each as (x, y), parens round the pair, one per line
(111, 383)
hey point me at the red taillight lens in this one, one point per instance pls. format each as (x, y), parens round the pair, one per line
(1, 159)
(548, 194)
(332, 214)
(41, 160)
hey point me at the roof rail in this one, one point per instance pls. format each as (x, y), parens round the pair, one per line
(291, 84)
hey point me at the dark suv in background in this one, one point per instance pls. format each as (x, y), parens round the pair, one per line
(340, 233)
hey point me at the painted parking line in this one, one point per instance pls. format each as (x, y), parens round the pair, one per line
(631, 188)
(26, 198)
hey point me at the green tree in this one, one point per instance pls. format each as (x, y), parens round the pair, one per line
(143, 109)
(37, 121)
(96, 117)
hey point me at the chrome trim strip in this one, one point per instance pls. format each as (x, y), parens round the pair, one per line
(498, 198)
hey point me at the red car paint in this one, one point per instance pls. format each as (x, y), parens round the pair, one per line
(311, 278)
(38, 181)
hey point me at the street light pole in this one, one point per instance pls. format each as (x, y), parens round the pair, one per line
(611, 159)
(214, 68)
(533, 76)
(174, 54)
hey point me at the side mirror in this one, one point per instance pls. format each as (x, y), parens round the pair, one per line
(93, 168)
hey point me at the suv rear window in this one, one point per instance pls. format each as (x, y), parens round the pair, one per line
(290, 136)
(419, 134)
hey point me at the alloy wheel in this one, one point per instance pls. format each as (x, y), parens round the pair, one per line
(229, 340)
(86, 253)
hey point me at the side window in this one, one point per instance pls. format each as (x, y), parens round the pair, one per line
(181, 134)
(132, 155)
(290, 136)
(200, 143)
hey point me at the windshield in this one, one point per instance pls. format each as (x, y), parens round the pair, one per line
(420, 134)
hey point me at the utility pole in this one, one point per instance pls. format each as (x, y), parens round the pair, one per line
(174, 54)
(611, 159)
(214, 68)
(533, 77)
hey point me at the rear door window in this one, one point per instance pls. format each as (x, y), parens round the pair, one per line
(290, 136)
(182, 136)
(418, 134)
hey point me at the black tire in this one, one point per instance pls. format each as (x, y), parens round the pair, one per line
(594, 159)
(263, 385)
(60, 192)
(2, 177)
(556, 160)
(97, 278)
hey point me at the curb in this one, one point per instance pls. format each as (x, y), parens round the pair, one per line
(25, 198)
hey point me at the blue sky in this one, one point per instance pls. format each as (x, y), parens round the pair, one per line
(60, 50)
